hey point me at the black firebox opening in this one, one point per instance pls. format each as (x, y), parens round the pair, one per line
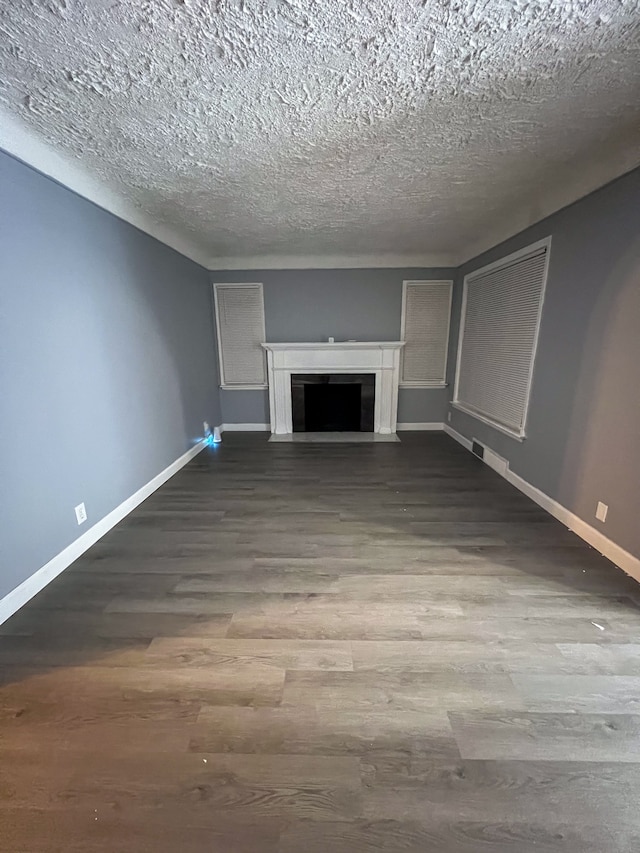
(333, 402)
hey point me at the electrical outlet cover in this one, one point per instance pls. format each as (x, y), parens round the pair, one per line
(81, 513)
(601, 511)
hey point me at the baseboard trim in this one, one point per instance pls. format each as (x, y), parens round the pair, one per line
(457, 436)
(19, 596)
(607, 547)
(427, 427)
(499, 464)
(246, 427)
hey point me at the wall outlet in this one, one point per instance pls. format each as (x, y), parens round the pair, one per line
(449, 416)
(205, 428)
(601, 511)
(81, 513)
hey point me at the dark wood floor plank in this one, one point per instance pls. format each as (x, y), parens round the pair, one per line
(69, 696)
(206, 561)
(197, 788)
(605, 658)
(501, 791)
(324, 730)
(472, 656)
(344, 621)
(593, 606)
(66, 650)
(394, 836)
(63, 623)
(258, 580)
(104, 830)
(202, 652)
(536, 736)
(47, 735)
(614, 694)
(406, 691)
(468, 584)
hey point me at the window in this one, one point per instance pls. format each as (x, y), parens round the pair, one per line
(501, 311)
(240, 323)
(426, 309)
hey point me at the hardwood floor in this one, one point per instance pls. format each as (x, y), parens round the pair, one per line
(306, 648)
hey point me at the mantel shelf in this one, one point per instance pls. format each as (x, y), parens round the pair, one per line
(275, 347)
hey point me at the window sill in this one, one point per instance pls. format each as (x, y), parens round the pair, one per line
(423, 385)
(517, 436)
(244, 387)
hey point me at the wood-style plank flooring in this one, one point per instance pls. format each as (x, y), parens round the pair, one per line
(297, 648)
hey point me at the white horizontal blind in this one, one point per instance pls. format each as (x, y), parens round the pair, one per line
(500, 327)
(425, 330)
(240, 320)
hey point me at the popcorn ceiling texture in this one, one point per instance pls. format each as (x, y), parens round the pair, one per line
(325, 127)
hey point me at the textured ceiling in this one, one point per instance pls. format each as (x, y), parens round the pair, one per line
(329, 127)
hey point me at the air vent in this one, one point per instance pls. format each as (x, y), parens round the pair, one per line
(498, 463)
(478, 449)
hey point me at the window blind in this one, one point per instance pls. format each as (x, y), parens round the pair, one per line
(240, 322)
(500, 322)
(425, 330)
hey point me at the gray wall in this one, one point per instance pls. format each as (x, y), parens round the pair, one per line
(311, 305)
(583, 429)
(107, 364)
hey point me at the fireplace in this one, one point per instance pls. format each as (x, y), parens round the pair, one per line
(379, 361)
(332, 402)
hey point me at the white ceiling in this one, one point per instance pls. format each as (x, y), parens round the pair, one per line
(324, 132)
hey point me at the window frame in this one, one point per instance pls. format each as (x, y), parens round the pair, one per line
(223, 385)
(519, 435)
(425, 282)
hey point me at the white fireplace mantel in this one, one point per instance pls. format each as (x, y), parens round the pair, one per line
(382, 358)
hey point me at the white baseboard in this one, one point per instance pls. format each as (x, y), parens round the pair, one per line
(457, 436)
(420, 427)
(624, 559)
(607, 547)
(246, 427)
(499, 464)
(19, 596)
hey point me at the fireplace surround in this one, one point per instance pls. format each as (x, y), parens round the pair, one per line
(377, 359)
